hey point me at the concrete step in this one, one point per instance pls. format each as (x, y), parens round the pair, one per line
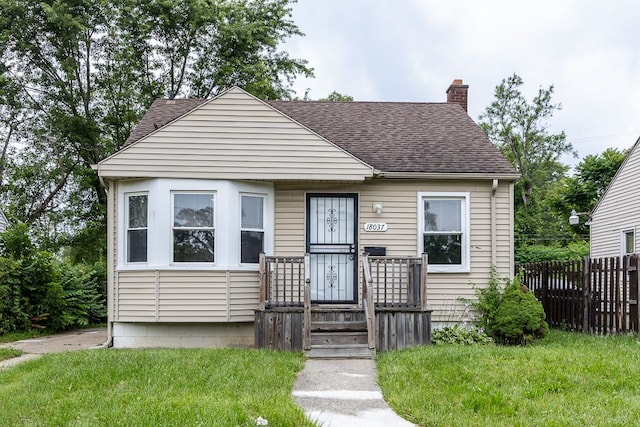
(353, 351)
(338, 338)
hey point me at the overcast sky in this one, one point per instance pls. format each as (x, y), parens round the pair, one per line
(411, 50)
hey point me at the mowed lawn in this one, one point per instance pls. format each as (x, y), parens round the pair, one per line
(224, 387)
(569, 379)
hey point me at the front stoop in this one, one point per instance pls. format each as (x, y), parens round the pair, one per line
(339, 334)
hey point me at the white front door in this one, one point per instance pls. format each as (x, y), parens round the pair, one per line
(331, 242)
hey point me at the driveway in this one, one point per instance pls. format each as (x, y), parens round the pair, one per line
(79, 339)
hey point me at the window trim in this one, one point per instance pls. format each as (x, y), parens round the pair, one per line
(465, 197)
(623, 240)
(262, 230)
(160, 221)
(213, 228)
(127, 216)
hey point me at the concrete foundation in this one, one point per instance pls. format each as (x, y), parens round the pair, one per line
(177, 335)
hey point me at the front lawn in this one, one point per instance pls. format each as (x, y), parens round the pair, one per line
(568, 379)
(223, 387)
(9, 353)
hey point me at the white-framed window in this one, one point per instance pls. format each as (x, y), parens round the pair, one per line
(193, 224)
(628, 242)
(251, 227)
(193, 227)
(443, 230)
(137, 225)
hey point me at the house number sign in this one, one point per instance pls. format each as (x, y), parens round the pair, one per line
(375, 226)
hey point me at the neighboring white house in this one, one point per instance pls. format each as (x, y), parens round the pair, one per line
(3, 221)
(203, 186)
(615, 221)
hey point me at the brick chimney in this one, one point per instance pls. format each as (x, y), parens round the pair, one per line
(457, 92)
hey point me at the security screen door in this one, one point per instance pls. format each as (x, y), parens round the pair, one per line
(331, 243)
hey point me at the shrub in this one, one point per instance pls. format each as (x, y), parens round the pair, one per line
(539, 253)
(457, 335)
(520, 317)
(38, 290)
(510, 314)
(487, 303)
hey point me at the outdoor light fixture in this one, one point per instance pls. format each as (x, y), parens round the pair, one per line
(574, 219)
(377, 208)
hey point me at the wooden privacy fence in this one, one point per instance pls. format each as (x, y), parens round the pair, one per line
(594, 295)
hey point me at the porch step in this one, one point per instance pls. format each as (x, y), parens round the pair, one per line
(338, 338)
(338, 326)
(345, 351)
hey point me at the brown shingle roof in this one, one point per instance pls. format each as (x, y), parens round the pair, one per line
(390, 136)
(402, 136)
(161, 112)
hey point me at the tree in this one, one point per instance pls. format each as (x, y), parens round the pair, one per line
(337, 96)
(517, 127)
(584, 189)
(76, 76)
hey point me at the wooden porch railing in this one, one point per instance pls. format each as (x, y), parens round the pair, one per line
(367, 302)
(393, 300)
(306, 338)
(282, 281)
(395, 282)
(398, 282)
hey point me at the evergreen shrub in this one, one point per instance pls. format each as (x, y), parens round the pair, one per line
(510, 314)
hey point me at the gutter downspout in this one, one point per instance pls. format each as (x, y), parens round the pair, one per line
(110, 267)
(494, 231)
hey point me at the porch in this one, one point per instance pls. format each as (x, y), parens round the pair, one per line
(390, 312)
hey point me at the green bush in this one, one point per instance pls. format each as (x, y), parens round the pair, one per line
(510, 314)
(540, 253)
(457, 335)
(520, 317)
(488, 300)
(38, 290)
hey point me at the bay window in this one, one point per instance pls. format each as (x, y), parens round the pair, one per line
(193, 224)
(193, 227)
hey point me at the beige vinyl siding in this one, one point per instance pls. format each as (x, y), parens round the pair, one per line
(186, 296)
(235, 136)
(618, 210)
(400, 201)
(136, 296)
(243, 296)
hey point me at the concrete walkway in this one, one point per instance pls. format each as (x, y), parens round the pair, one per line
(343, 392)
(80, 339)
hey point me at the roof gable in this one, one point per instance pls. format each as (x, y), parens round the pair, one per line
(392, 137)
(232, 136)
(623, 184)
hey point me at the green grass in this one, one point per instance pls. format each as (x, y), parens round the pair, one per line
(223, 387)
(8, 353)
(17, 336)
(566, 380)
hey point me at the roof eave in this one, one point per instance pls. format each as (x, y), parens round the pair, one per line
(446, 175)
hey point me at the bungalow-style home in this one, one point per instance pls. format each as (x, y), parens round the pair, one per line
(237, 221)
(615, 221)
(4, 223)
